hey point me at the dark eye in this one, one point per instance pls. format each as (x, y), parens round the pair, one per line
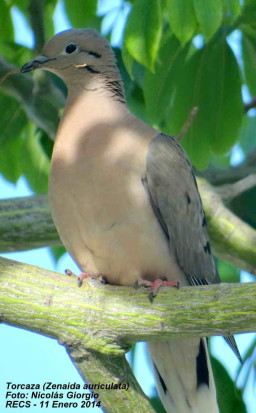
(71, 48)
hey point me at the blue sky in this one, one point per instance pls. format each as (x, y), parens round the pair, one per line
(31, 358)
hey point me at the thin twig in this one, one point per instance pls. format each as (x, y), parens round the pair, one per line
(231, 174)
(230, 191)
(250, 105)
(12, 72)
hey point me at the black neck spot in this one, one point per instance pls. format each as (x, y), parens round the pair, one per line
(95, 54)
(90, 69)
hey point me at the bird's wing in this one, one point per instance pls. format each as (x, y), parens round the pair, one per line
(174, 196)
(173, 193)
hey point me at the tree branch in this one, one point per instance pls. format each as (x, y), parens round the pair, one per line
(46, 302)
(97, 323)
(230, 191)
(108, 318)
(217, 176)
(25, 223)
(232, 239)
(96, 367)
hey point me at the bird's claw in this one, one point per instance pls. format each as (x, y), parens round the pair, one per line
(155, 285)
(84, 275)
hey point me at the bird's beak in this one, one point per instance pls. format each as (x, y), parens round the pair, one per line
(38, 62)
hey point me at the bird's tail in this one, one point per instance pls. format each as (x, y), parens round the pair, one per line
(184, 376)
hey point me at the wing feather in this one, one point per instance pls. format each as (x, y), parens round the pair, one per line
(175, 199)
(174, 196)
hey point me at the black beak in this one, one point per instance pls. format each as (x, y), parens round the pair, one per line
(35, 64)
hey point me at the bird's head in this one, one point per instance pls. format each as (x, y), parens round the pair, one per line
(75, 52)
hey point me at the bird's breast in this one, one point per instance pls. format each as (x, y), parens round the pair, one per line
(102, 211)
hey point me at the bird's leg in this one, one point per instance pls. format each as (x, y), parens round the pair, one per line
(80, 277)
(155, 285)
(84, 275)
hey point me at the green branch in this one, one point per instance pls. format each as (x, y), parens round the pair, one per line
(97, 323)
(96, 367)
(25, 223)
(106, 318)
(46, 302)
(230, 174)
(232, 239)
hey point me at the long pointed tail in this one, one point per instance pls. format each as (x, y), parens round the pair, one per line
(184, 376)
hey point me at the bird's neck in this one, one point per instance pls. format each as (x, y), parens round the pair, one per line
(106, 80)
(91, 107)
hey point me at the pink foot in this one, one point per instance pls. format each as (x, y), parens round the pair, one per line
(85, 275)
(80, 277)
(155, 285)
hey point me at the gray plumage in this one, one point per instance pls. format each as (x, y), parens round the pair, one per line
(179, 208)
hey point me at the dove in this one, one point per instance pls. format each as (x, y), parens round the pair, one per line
(126, 205)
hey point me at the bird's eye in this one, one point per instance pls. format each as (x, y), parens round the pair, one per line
(71, 48)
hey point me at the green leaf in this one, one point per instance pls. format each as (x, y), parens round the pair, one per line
(49, 8)
(156, 403)
(46, 143)
(12, 119)
(6, 26)
(221, 161)
(10, 164)
(249, 3)
(85, 15)
(23, 5)
(128, 61)
(190, 86)
(248, 367)
(12, 122)
(228, 395)
(249, 58)
(209, 16)
(233, 9)
(159, 87)
(35, 162)
(182, 19)
(211, 81)
(136, 103)
(143, 32)
(16, 53)
(122, 69)
(133, 92)
(248, 16)
(247, 133)
(57, 252)
(228, 273)
(244, 206)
